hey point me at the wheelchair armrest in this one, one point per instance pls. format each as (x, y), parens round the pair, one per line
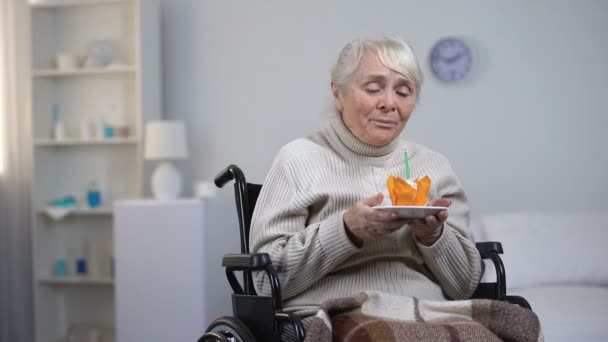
(491, 250)
(488, 247)
(246, 262)
(253, 262)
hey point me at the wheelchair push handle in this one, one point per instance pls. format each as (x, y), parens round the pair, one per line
(229, 173)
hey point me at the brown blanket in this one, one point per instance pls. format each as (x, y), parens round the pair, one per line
(376, 316)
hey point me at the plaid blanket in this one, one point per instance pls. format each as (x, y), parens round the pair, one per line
(376, 316)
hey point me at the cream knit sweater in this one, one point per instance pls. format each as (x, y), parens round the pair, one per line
(298, 221)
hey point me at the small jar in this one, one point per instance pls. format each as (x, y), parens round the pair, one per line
(121, 131)
(121, 128)
(60, 269)
(108, 132)
(93, 196)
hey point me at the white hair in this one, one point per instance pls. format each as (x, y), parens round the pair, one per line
(393, 52)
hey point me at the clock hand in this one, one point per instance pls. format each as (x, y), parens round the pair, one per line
(438, 56)
(454, 58)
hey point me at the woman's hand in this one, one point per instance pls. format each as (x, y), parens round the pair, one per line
(427, 230)
(363, 223)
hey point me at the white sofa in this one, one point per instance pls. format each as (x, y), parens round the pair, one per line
(559, 262)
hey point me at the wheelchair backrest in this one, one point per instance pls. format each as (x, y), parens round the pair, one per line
(245, 203)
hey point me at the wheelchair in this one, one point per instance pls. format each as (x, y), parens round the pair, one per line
(261, 318)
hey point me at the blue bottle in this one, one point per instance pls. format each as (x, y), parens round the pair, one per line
(61, 268)
(81, 266)
(82, 260)
(108, 132)
(93, 196)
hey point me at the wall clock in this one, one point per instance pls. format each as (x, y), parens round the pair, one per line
(451, 59)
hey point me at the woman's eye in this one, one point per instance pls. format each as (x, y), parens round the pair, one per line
(403, 92)
(372, 88)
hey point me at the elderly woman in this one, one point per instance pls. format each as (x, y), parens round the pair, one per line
(315, 215)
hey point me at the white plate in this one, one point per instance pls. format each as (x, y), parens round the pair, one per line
(410, 211)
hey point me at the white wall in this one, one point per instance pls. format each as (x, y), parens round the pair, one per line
(526, 132)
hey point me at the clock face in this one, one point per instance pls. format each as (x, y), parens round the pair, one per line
(451, 59)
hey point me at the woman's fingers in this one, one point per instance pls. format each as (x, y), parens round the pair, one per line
(440, 202)
(442, 215)
(431, 220)
(370, 224)
(373, 201)
(388, 227)
(381, 216)
(419, 221)
(438, 218)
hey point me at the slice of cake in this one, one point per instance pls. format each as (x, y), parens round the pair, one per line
(405, 194)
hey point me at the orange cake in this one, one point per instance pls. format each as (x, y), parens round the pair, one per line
(403, 194)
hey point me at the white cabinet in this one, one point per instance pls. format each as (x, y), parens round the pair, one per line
(95, 74)
(169, 280)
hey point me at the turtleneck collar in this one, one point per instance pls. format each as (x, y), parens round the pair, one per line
(343, 136)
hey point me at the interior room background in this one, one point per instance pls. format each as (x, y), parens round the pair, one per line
(525, 132)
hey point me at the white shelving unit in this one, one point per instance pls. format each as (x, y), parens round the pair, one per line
(129, 91)
(71, 3)
(88, 211)
(67, 281)
(79, 142)
(84, 72)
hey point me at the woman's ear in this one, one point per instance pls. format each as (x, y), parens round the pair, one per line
(337, 97)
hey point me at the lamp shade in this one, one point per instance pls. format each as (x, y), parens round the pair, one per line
(165, 140)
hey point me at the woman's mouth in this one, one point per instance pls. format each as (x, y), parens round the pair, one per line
(385, 123)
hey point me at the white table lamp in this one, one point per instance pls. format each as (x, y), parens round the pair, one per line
(166, 141)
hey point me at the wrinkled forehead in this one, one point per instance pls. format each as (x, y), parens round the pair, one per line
(372, 66)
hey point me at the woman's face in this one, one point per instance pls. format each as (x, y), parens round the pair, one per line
(376, 102)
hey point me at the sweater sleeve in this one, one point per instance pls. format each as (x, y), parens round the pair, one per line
(453, 258)
(301, 254)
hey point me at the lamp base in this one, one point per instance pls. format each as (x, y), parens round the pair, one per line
(166, 182)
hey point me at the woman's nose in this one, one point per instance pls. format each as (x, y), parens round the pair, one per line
(387, 103)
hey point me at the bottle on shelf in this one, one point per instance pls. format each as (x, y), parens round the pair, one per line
(82, 259)
(100, 127)
(60, 268)
(58, 130)
(121, 128)
(119, 122)
(85, 129)
(108, 131)
(93, 195)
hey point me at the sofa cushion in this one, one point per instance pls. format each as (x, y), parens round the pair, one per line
(570, 313)
(551, 248)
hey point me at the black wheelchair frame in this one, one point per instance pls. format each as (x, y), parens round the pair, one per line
(262, 317)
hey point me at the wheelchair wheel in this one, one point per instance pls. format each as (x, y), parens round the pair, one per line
(227, 329)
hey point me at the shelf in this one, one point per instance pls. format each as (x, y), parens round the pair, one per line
(78, 142)
(73, 3)
(76, 281)
(83, 71)
(102, 211)
(91, 212)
